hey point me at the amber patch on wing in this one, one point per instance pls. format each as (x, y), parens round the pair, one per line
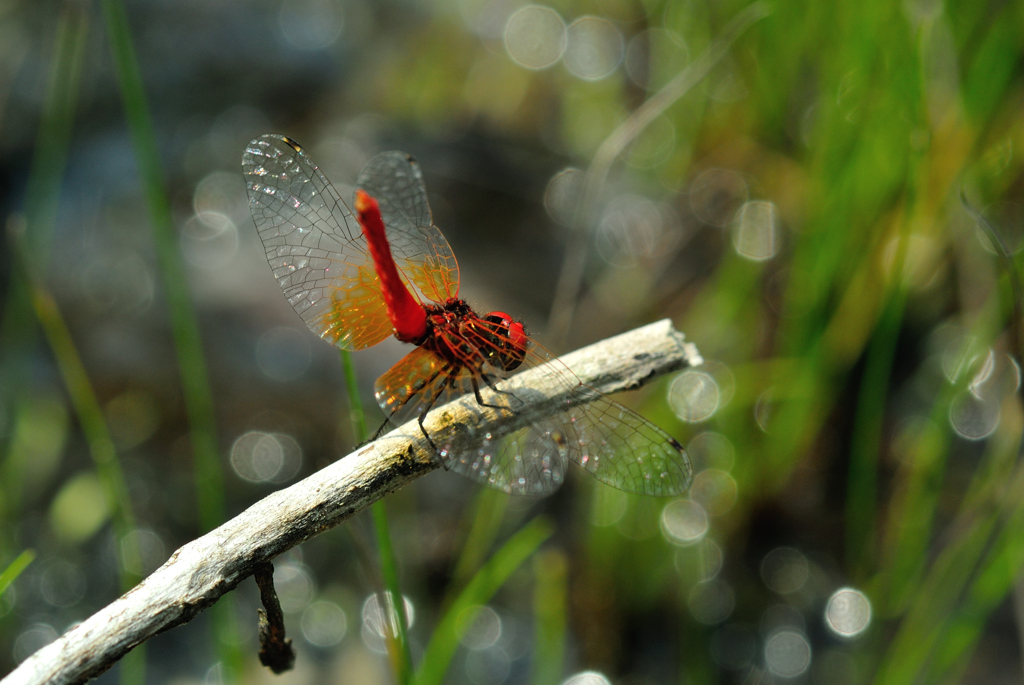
(358, 317)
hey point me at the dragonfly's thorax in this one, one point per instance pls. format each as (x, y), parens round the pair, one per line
(462, 337)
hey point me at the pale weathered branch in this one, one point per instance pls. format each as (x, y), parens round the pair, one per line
(198, 574)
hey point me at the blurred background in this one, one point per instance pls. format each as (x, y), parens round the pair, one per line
(825, 197)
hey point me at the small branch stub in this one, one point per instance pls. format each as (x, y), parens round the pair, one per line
(276, 651)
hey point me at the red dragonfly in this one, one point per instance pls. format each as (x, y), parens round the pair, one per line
(389, 271)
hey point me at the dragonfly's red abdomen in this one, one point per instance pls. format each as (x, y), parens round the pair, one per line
(406, 313)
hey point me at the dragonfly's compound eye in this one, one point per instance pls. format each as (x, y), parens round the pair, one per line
(509, 338)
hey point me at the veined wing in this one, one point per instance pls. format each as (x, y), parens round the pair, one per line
(418, 382)
(625, 450)
(615, 444)
(407, 389)
(314, 244)
(528, 462)
(420, 250)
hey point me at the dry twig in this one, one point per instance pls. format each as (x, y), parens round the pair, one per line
(199, 573)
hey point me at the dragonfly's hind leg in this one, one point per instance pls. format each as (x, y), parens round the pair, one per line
(426, 409)
(380, 431)
(390, 420)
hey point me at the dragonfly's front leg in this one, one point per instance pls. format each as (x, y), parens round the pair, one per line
(490, 384)
(429, 405)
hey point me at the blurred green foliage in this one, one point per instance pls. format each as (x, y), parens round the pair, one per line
(870, 391)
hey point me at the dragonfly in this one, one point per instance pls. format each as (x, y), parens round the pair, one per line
(356, 279)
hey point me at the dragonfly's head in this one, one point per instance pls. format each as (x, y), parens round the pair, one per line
(509, 339)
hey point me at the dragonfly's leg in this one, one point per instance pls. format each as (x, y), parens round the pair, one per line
(390, 420)
(380, 431)
(430, 441)
(490, 384)
(427, 408)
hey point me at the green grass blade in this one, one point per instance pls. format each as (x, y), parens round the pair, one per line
(550, 606)
(355, 405)
(969, 578)
(198, 398)
(486, 517)
(188, 344)
(479, 591)
(999, 574)
(17, 328)
(97, 435)
(862, 486)
(401, 656)
(972, 574)
(45, 178)
(14, 569)
(992, 69)
(58, 117)
(85, 402)
(911, 510)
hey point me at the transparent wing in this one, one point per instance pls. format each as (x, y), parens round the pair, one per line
(314, 245)
(625, 450)
(528, 462)
(416, 381)
(612, 442)
(420, 251)
(615, 444)
(531, 461)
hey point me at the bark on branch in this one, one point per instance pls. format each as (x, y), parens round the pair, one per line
(197, 574)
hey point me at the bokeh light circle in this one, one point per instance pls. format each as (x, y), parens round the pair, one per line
(32, 640)
(257, 457)
(295, 586)
(764, 409)
(379, 624)
(630, 230)
(787, 653)
(715, 491)
(974, 418)
(594, 48)
(535, 37)
(848, 612)
(62, 584)
(711, 450)
(143, 551)
(693, 396)
(702, 560)
(324, 623)
(587, 678)
(666, 47)
(755, 232)
(711, 602)
(785, 570)
(562, 195)
(311, 24)
(683, 522)
(480, 627)
(209, 240)
(220, 192)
